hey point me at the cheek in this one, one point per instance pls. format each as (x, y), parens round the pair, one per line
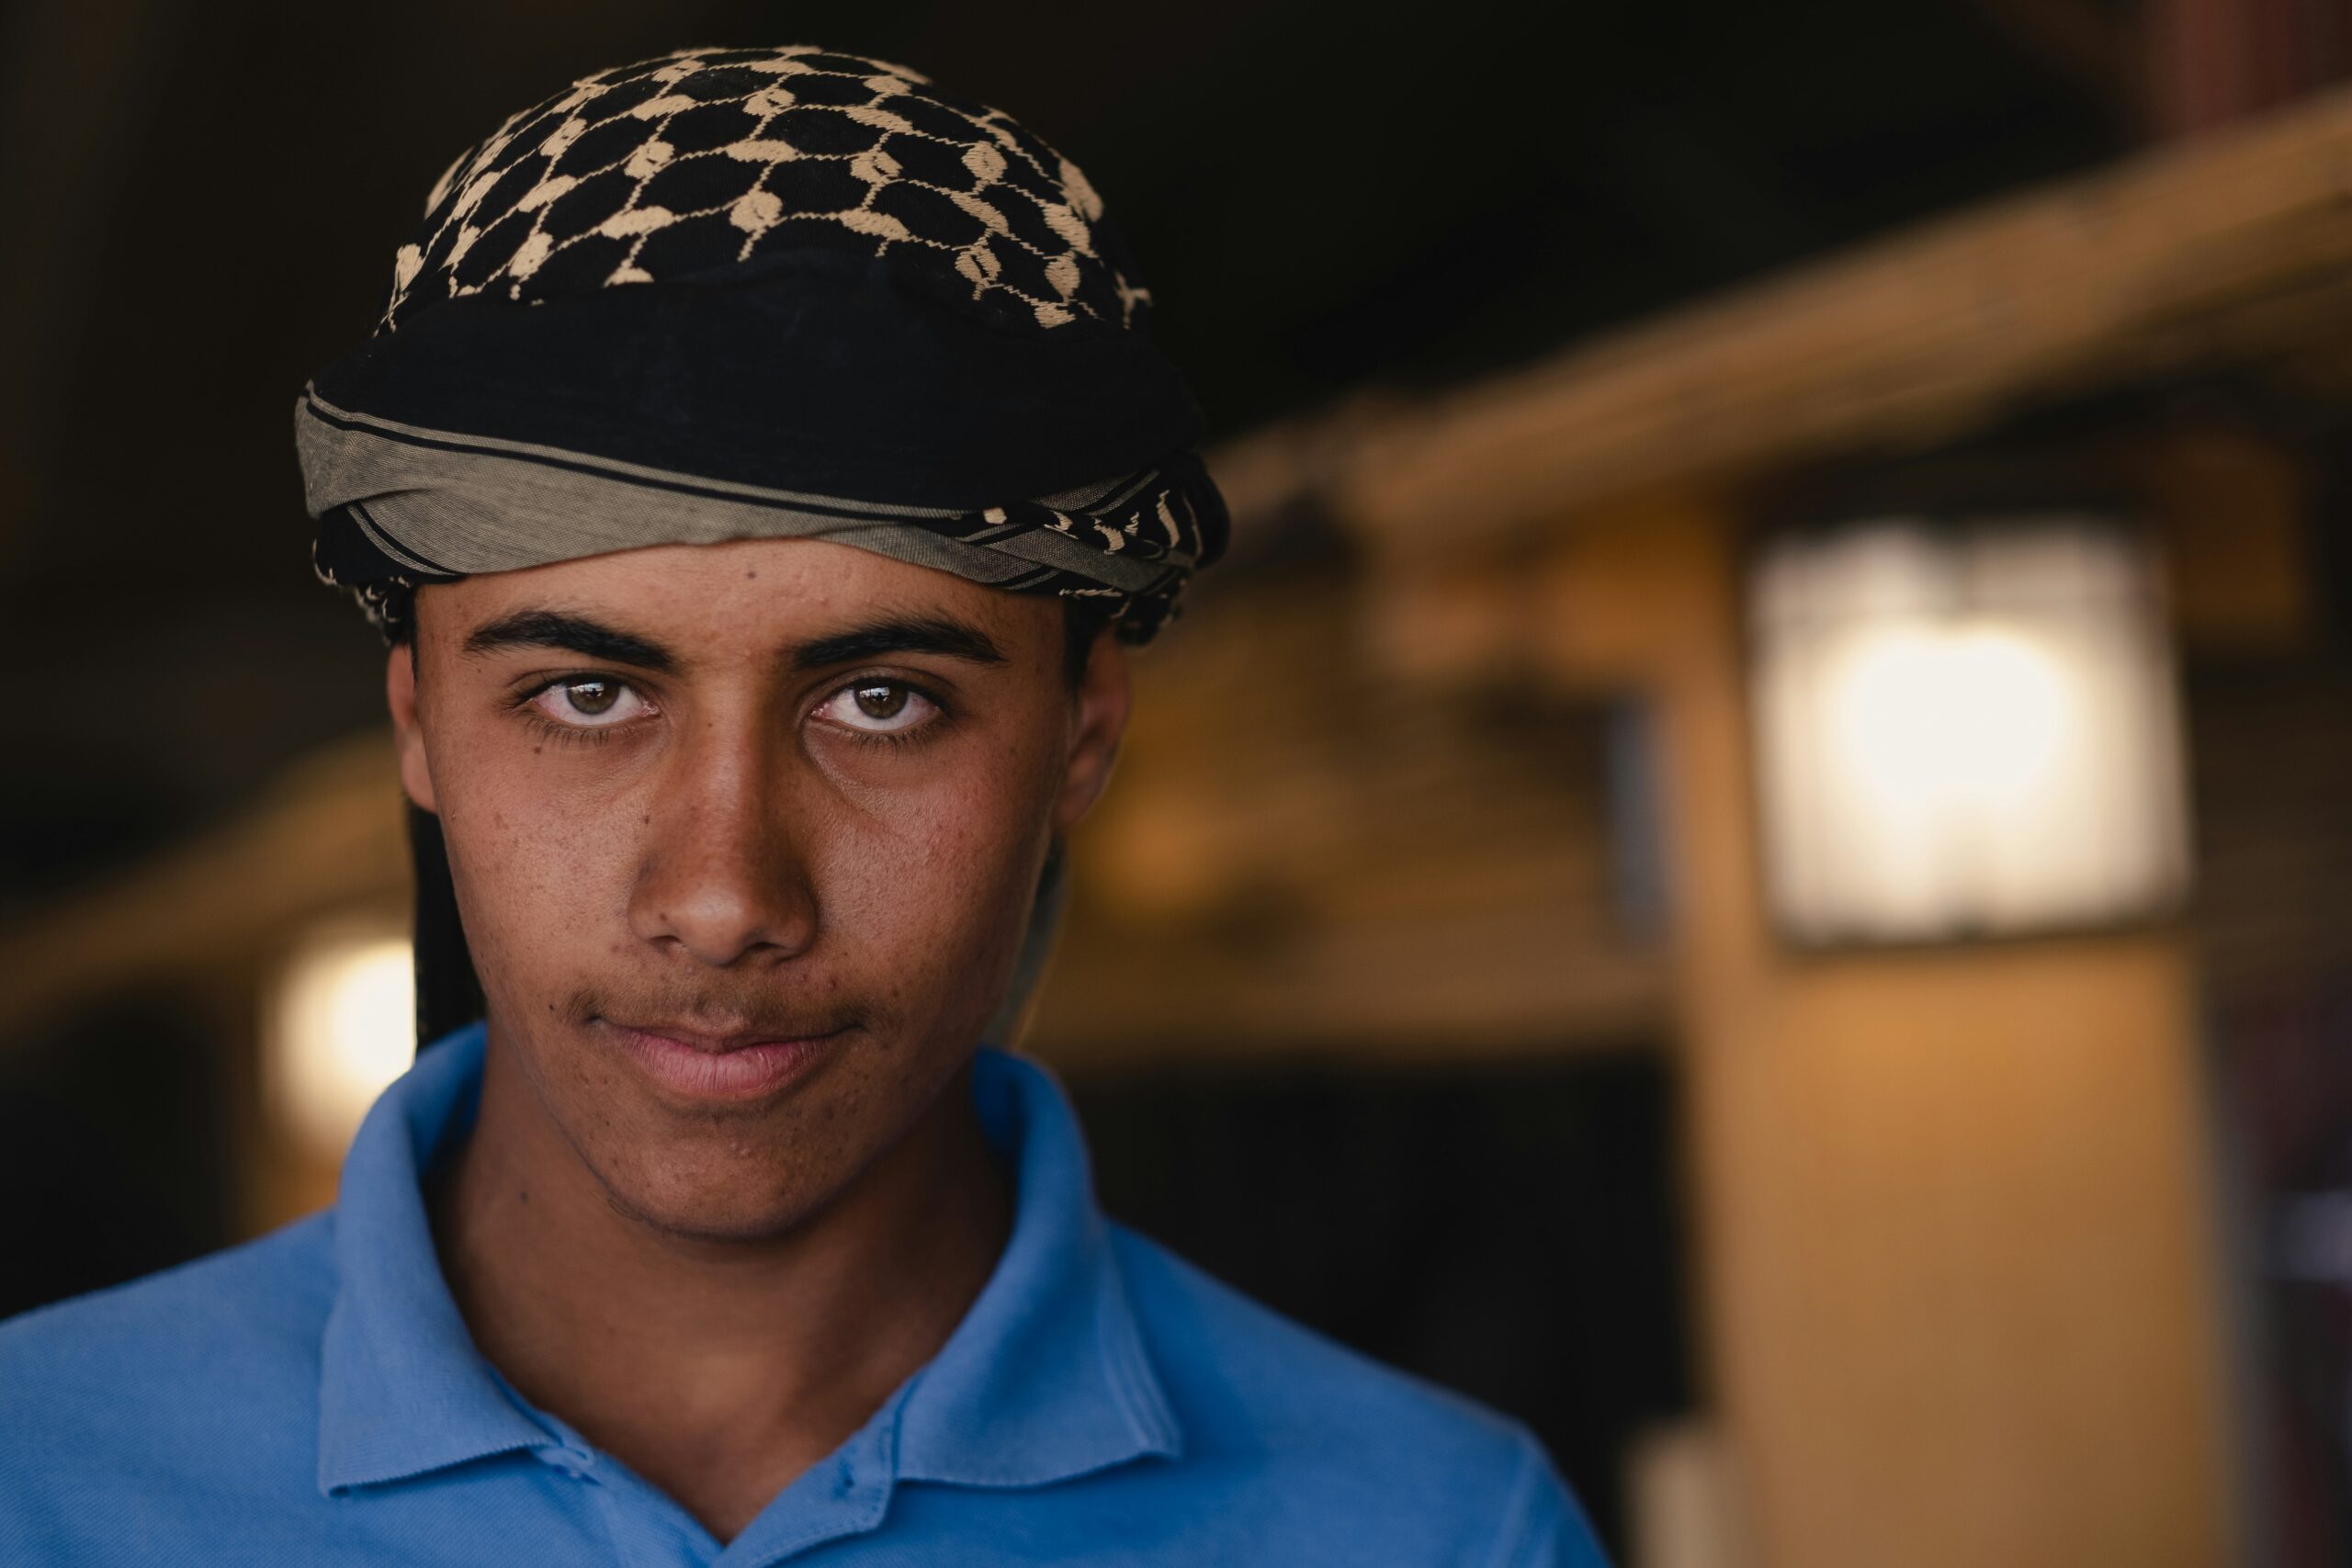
(927, 895)
(533, 867)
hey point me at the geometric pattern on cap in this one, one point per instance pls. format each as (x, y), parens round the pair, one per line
(695, 164)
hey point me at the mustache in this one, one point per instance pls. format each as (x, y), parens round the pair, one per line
(711, 1008)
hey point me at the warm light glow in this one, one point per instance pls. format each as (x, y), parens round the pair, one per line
(1964, 731)
(344, 1026)
(1935, 722)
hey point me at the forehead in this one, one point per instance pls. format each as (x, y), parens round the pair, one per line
(742, 598)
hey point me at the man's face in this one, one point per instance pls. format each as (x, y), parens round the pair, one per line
(744, 837)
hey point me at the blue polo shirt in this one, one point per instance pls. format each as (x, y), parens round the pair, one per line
(314, 1397)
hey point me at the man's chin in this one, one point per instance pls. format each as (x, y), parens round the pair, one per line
(753, 1203)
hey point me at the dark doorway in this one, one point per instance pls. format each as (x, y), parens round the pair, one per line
(1511, 1230)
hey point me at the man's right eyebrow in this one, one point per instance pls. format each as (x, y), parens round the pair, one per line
(573, 634)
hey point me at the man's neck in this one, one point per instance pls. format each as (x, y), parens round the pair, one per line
(717, 1369)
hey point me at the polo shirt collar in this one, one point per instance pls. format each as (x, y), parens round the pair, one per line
(1045, 1378)
(401, 1389)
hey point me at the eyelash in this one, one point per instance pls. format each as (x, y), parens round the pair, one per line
(599, 735)
(564, 734)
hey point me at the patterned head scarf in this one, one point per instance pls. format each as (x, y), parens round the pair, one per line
(762, 293)
(757, 293)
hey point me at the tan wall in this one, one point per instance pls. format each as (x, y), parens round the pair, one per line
(1956, 1267)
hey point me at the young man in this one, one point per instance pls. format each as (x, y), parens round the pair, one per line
(757, 471)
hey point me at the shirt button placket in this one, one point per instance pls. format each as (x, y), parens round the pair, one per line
(646, 1530)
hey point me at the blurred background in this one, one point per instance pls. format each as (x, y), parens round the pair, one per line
(1750, 861)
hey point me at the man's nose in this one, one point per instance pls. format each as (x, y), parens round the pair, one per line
(721, 877)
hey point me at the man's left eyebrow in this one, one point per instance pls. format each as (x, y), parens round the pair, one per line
(924, 634)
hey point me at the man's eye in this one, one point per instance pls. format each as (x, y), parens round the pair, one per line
(878, 708)
(590, 702)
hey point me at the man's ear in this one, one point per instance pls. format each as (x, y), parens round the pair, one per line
(1101, 718)
(408, 736)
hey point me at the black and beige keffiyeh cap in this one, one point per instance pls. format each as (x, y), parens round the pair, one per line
(746, 293)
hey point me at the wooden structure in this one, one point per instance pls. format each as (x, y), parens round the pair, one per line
(1960, 1259)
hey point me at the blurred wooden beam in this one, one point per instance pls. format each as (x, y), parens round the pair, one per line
(328, 836)
(2238, 247)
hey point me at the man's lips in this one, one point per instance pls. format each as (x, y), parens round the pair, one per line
(738, 1065)
(720, 1043)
